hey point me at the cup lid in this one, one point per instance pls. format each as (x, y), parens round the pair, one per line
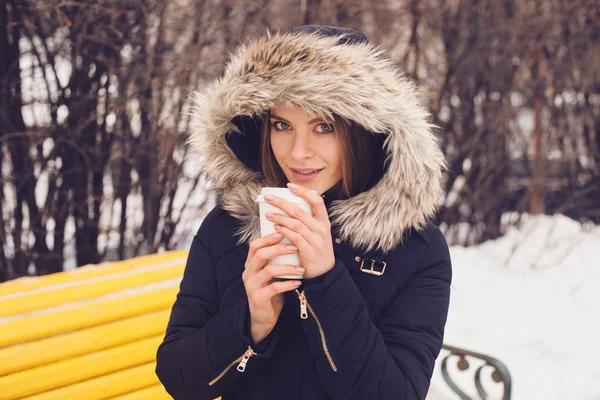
(281, 192)
(277, 191)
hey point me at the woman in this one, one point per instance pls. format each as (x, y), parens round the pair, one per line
(316, 108)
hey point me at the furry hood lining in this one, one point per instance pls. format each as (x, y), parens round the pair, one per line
(324, 77)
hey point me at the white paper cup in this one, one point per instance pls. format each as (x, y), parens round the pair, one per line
(267, 227)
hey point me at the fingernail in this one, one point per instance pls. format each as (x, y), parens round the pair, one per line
(297, 283)
(300, 269)
(291, 247)
(292, 185)
(277, 236)
(269, 197)
(277, 226)
(269, 214)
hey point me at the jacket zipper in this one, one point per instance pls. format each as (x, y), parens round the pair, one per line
(304, 306)
(242, 360)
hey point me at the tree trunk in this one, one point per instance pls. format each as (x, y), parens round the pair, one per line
(538, 175)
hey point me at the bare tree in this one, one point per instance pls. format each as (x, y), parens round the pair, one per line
(94, 112)
(120, 115)
(514, 104)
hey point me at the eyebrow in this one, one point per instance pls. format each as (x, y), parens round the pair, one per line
(312, 121)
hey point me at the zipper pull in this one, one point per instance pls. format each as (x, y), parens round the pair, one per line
(303, 311)
(242, 365)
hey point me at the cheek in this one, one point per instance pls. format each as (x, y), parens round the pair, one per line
(278, 147)
(333, 154)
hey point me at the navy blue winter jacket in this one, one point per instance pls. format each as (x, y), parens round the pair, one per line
(374, 324)
(377, 337)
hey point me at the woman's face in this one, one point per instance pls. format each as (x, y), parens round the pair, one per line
(307, 150)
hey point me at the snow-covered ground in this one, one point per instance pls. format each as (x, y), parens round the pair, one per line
(532, 300)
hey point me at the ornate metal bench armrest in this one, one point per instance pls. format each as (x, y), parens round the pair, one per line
(499, 373)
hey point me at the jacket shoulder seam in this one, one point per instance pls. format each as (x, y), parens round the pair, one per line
(210, 227)
(427, 244)
(204, 242)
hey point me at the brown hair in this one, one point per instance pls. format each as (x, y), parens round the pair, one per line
(358, 146)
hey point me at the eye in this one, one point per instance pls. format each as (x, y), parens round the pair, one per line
(280, 126)
(324, 128)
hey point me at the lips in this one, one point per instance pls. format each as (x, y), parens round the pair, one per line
(305, 175)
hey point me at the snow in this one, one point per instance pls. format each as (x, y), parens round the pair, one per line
(530, 299)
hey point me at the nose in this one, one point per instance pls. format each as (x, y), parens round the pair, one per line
(302, 147)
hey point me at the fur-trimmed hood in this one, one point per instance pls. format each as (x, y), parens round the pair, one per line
(326, 73)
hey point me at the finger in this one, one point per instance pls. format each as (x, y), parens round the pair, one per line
(262, 256)
(294, 211)
(265, 241)
(271, 271)
(291, 223)
(316, 202)
(297, 239)
(282, 286)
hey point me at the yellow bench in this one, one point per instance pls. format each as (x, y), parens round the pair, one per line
(90, 333)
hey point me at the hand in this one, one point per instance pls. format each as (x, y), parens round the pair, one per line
(310, 234)
(265, 296)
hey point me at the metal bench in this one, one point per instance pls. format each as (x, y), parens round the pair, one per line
(466, 361)
(92, 333)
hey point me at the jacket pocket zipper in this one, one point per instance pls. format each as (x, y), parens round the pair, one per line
(304, 306)
(242, 360)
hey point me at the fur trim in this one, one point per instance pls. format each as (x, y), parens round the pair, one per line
(354, 81)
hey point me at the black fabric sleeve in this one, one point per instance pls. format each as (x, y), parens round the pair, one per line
(202, 340)
(396, 358)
